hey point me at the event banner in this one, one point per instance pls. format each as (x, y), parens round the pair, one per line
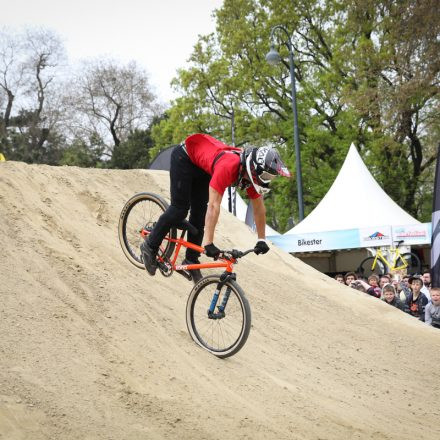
(319, 241)
(413, 234)
(375, 236)
(354, 238)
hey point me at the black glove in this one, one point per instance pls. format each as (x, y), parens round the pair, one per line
(261, 247)
(211, 250)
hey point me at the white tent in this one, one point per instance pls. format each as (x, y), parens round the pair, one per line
(355, 212)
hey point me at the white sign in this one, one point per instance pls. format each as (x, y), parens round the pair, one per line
(375, 236)
(413, 234)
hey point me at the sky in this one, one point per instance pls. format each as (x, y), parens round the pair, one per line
(158, 34)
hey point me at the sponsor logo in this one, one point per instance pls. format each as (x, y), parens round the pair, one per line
(261, 154)
(182, 267)
(377, 236)
(410, 234)
(312, 242)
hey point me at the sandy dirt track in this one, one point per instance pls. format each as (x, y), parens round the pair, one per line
(93, 348)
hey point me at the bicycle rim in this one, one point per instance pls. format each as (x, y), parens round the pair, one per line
(222, 337)
(142, 212)
(366, 267)
(413, 262)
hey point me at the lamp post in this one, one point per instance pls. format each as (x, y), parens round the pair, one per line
(273, 57)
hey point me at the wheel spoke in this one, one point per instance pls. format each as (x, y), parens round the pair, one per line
(142, 211)
(219, 335)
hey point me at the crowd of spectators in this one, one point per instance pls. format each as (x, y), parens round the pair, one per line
(412, 294)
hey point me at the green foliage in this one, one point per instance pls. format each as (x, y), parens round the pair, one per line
(28, 141)
(134, 152)
(82, 154)
(366, 72)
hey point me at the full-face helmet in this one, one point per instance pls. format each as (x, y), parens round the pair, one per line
(262, 165)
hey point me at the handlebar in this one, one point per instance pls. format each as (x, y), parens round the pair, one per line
(235, 253)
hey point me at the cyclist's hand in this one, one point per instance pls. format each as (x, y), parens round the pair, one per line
(211, 250)
(261, 247)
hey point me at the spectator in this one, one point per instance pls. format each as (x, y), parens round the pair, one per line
(416, 301)
(432, 310)
(373, 281)
(340, 278)
(349, 278)
(404, 289)
(427, 278)
(389, 296)
(359, 285)
(384, 279)
(365, 287)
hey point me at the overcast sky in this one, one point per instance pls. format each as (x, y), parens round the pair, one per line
(158, 34)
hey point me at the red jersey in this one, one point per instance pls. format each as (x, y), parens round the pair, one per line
(202, 149)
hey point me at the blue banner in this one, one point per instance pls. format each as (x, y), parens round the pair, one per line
(319, 241)
(356, 238)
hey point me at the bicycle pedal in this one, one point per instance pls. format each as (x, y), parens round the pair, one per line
(165, 269)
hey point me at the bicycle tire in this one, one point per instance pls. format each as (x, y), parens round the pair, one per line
(365, 268)
(413, 261)
(205, 331)
(142, 211)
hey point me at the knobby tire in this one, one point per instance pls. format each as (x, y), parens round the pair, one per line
(142, 211)
(222, 337)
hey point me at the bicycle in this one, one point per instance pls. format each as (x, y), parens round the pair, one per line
(218, 315)
(408, 261)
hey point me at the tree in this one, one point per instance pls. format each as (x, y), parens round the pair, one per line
(84, 153)
(367, 72)
(29, 63)
(134, 152)
(395, 90)
(112, 101)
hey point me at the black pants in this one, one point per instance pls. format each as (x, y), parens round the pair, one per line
(189, 187)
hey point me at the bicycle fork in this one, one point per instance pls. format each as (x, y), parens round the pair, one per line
(221, 308)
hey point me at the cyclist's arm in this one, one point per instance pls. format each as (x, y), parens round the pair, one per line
(259, 216)
(212, 214)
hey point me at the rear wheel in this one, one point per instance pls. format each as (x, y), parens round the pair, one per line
(366, 267)
(413, 262)
(225, 331)
(141, 212)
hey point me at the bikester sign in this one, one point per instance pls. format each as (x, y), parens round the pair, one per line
(319, 241)
(376, 236)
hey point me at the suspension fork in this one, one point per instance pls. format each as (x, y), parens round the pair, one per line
(224, 278)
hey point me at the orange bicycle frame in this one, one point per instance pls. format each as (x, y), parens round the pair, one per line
(222, 262)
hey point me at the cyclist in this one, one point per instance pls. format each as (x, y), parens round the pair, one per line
(201, 169)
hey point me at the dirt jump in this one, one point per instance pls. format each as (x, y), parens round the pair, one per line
(92, 347)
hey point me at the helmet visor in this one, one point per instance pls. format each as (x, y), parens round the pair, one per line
(266, 177)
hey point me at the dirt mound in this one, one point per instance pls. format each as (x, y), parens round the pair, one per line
(93, 348)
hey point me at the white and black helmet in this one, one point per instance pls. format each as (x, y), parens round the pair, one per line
(262, 165)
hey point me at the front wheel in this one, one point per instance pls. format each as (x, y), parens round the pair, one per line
(366, 267)
(224, 330)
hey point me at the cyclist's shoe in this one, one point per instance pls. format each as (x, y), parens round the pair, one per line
(196, 275)
(148, 258)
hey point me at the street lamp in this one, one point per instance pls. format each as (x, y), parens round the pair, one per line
(273, 57)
